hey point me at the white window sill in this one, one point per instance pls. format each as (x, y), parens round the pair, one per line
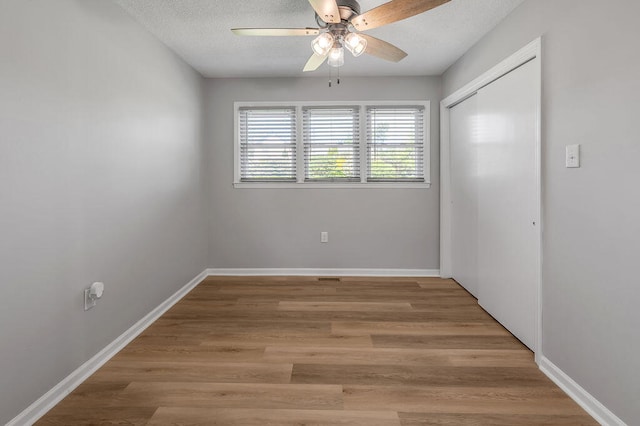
(326, 185)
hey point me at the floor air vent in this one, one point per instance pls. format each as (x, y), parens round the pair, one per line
(329, 279)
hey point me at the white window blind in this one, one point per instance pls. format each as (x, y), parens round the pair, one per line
(331, 138)
(395, 144)
(331, 144)
(267, 138)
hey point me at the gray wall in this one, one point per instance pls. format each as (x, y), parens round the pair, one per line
(100, 179)
(280, 228)
(591, 242)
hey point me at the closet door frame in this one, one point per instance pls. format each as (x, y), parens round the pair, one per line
(531, 52)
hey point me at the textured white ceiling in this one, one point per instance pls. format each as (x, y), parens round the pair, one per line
(199, 31)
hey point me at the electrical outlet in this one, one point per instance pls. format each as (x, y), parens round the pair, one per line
(324, 237)
(92, 294)
(89, 302)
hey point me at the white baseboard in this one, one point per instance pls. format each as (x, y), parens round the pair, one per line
(39, 408)
(591, 405)
(301, 272)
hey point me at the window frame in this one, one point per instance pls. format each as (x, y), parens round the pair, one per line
(364, 159)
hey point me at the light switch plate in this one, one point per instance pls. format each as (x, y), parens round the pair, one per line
(573, 156)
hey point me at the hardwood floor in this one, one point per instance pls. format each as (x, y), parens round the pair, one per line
(302, 351)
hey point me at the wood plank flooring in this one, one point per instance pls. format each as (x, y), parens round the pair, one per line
(303, 351)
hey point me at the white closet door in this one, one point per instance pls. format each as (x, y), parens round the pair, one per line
(464, 128)
(508, 202)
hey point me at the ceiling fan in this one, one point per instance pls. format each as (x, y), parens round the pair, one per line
(340, 24)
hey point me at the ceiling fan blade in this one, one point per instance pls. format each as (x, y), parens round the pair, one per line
(393, 11)
(314, 62)
(276, 31)
(382, 49)
(327, 10)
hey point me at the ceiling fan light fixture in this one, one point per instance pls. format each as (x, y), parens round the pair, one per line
(356, 44)
(336, 56)
(322, 44)
(340, 26)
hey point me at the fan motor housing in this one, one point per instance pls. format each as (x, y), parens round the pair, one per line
(348, 9)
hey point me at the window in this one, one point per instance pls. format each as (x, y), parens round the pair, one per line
(395, 144)
(267, 144)
(376, 144)
(331, 138)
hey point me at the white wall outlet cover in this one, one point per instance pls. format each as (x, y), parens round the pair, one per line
(92, 294)
(88, 301)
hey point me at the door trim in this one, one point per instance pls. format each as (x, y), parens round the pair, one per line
(528, 53)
